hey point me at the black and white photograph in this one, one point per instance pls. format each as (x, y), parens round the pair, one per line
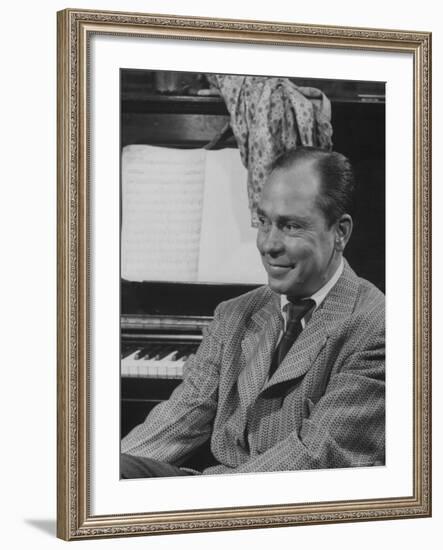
(252, 268)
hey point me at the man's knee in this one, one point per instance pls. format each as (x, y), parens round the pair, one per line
(133, 467)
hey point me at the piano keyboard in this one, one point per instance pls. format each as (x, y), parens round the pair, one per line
(156, 360)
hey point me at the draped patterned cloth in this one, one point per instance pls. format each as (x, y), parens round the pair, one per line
(269, 116)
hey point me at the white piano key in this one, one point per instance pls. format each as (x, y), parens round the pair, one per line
(153, 369)
(168, 367)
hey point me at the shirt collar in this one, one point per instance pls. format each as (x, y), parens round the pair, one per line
(321, 293)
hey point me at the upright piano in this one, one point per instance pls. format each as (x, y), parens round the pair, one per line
(161, 326)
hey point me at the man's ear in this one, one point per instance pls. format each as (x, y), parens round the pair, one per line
(343, 230)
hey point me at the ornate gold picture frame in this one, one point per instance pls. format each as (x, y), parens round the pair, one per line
(76, 516)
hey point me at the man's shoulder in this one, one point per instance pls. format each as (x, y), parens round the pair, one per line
(369, 297)
(357, 292)
(354, 311)
(355, 302)
(367, 315)
(249, 302)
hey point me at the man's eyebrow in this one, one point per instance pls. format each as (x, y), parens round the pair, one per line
(284, 217)
(299, 219)
(281, 220)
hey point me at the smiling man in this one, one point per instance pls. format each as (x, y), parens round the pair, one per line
(303, 221)
(291, 375)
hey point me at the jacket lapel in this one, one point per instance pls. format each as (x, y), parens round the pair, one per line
(258, 346)
(303, 352)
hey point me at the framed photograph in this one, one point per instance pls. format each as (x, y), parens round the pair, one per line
(243, 274)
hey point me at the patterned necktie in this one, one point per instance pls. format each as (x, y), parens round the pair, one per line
(296, 310)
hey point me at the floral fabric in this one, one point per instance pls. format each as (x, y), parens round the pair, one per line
(270, 116)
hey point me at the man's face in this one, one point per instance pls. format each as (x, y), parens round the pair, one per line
(297, 248)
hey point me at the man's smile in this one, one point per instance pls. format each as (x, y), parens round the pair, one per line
(278, 268)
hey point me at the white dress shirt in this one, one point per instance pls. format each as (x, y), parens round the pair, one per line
(318, 297)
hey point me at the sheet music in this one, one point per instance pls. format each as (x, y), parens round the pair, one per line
(162, 197)
(228, 252)
(185, 217)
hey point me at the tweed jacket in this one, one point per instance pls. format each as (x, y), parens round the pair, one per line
(324, 407)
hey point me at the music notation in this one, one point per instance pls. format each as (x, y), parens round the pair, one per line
(162, 194)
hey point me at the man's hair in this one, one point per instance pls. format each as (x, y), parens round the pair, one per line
(336, 193)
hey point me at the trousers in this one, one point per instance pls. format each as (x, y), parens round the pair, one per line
(133, 467)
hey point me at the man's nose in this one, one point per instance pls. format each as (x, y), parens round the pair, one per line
(273, 243)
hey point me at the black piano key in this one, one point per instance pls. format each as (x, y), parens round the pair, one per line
(127, 350)
(163, 352)
(193, 348)
(148, 352)
(174, 357)
(141, 353)
(184, 352)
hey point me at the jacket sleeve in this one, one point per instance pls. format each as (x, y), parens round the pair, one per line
(178, 426)
(345, 428)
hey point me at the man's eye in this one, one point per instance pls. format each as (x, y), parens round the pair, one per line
(263, 223)
(291, 228)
